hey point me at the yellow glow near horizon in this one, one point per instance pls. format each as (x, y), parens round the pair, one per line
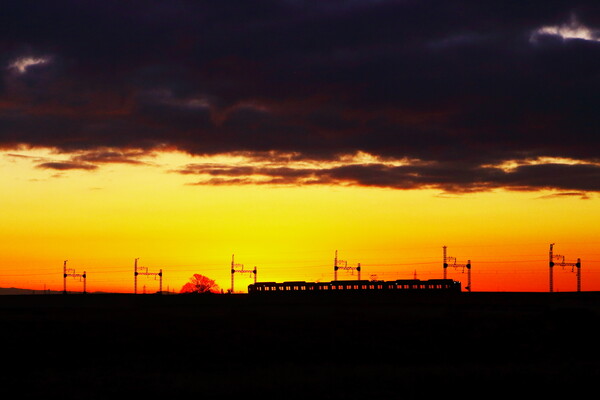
(101, 220)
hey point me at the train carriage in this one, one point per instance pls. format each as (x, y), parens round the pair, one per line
(356, 286)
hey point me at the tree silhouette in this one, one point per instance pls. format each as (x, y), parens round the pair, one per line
(200, 284)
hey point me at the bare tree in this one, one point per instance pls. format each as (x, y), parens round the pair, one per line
(200, 284)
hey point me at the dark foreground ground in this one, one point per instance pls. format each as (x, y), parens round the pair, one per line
(466, 345)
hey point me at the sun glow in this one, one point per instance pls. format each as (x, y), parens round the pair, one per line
(102, 219)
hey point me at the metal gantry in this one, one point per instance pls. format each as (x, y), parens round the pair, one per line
(343, 265)
(70, 272)
(239, 269)
(144, 271)
(452, 260)
(561, 262)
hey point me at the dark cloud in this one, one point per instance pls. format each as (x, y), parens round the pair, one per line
(447, 177)
(64, 166)
(112, 157)
(458, 85)
(19, 156)
(581, 195)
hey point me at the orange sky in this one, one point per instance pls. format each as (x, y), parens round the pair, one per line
(101, 220)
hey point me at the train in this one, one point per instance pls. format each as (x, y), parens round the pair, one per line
(441, 285)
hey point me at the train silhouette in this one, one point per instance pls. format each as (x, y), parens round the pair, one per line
(445, 285)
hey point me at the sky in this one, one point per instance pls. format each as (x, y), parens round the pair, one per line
(271, 134)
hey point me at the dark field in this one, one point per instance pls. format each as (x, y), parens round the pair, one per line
(474, 345)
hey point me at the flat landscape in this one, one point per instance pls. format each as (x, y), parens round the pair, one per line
(411, 346)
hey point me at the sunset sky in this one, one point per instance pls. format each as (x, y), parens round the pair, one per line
(183, 132)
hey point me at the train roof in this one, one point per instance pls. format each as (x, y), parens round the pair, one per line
(354, 282)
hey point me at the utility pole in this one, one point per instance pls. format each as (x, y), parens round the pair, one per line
(343, 265)
(65, 276)
(135, 274)
(448, 259)
(144, 271)
(239, 268)
(70, 272)
(562, 263)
